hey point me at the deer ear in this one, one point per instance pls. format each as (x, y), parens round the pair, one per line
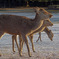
(36, 9)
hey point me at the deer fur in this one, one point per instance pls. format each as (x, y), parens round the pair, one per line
(17, 25)
(48, 32)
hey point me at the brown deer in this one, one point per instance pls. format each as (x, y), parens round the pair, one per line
(17, 25)
(31, 36)
(49, 33)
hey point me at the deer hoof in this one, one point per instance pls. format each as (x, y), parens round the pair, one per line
(0, 55)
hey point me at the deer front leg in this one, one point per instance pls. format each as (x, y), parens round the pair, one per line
(39, 37)
(1, 33)
(31, 40)
(26, 42)
(17, 43)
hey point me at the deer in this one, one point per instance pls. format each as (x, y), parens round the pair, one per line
(14, 25)
(48, 32)
(31, 37)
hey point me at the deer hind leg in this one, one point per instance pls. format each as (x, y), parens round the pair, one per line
(21, 45)
(13, 39)
(21, 48)
(26, 42)
(31, 40)
(39, 37)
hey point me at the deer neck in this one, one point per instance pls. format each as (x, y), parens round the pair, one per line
(38, 30)
(46, 30)
(37, 18)
(37, 23)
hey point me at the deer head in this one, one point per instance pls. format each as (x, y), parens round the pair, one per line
(43, 14)
(50, 35)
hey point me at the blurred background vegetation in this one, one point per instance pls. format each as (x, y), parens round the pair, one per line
(30, 3)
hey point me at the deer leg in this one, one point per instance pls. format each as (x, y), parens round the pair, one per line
(1, 34)
(39, 37)
(17, 43)
(21, 48)
(31, 40)
(26, 42)
(13, 39)
(20, 44)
